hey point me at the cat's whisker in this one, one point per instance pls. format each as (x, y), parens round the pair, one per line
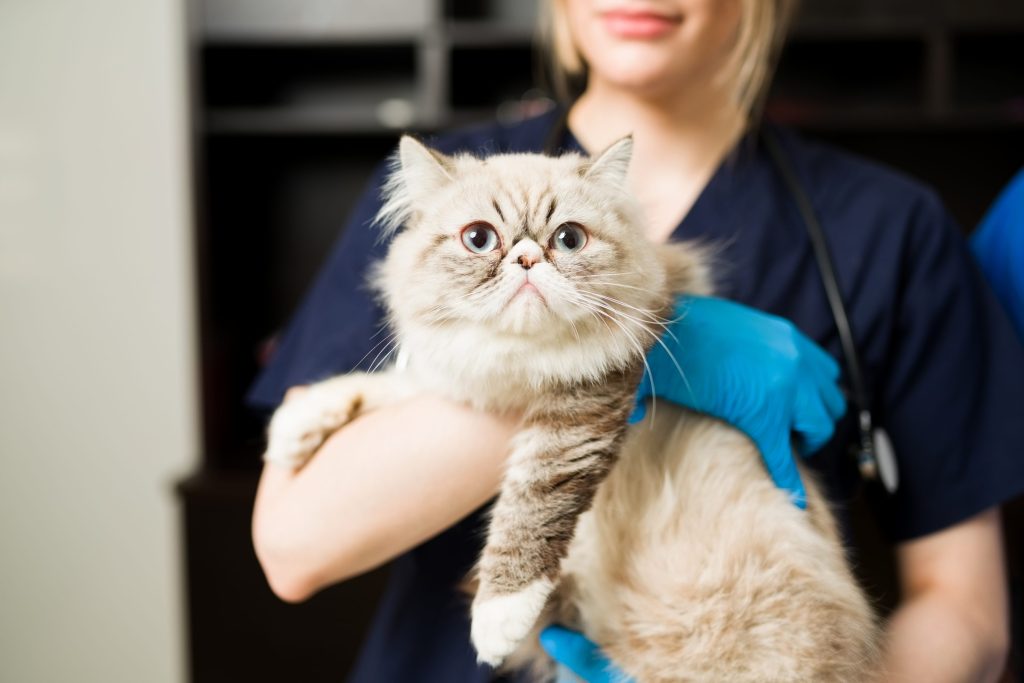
(621, 314)
(653, 314)
(643, 358)
(383, 328)
(668, 351)
(593, 275)
(650, 318)
(383, 354)
(656, 319)
(594, 312)
(642, 322)
(649, 313)
(385, 341)
(613, 283)
(657, 340)
(388, 350)
(575, 332)
(598, 307)
(660, 322)
(387, 357)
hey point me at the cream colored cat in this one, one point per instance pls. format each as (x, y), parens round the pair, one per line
(524, 283)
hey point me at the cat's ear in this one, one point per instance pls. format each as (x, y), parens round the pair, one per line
(417, 172)
(421, 166)
(612, 165)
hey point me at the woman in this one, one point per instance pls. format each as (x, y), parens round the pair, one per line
(684, 77)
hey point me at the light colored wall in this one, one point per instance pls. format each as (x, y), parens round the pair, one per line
(97, 363)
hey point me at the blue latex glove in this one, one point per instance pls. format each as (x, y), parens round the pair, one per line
(580, 655)
(754, 370)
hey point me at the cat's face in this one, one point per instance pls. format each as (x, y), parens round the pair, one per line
(519, 244)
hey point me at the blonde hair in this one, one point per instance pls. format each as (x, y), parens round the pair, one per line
(762, 29)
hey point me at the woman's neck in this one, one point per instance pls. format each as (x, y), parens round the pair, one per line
(701, 124)
(678, 143)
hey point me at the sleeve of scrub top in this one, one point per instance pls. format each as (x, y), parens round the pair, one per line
(953, 394)
(339, 321)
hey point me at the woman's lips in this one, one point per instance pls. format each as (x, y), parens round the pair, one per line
(628, 24)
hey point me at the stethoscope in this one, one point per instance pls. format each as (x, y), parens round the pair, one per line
(873, 451)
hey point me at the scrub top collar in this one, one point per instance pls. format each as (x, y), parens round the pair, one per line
(729, 172)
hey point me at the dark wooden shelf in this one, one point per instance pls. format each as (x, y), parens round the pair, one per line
(890, 118)
(874, 28)
(353, 123)
(483, 33)
(219, 485)
(335, 120)
(306, 39)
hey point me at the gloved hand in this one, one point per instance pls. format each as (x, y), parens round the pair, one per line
(754, 370)
(580, 655)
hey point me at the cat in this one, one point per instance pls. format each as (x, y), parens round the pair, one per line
(523, 283)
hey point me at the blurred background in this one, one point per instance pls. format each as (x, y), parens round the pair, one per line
(173, 172)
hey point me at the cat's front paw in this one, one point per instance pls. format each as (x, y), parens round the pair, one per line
(291, 440)
(300, 426)
(500, 622)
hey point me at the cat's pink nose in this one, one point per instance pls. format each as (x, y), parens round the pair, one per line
(526, 253)
(526, 261)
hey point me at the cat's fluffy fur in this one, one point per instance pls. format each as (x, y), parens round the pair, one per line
(686, 564)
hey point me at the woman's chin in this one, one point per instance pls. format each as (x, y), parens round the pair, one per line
(641, 74)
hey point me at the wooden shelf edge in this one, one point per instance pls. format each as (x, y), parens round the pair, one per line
(213, 485)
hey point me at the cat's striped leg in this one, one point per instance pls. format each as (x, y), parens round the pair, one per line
(557, 463)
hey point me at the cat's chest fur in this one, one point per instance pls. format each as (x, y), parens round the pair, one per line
(494, 371)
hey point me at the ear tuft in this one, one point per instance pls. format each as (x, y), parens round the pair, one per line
(612, 165)
(422, 164)
(416, 172)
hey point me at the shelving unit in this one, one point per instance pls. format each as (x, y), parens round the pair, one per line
(910, 57)
(292, 110)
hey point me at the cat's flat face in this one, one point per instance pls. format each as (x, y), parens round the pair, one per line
(520, 244)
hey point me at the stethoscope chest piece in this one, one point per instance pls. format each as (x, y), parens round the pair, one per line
(876, 457)
(885, 456)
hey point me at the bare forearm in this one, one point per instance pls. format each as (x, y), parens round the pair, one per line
(954, 623)
(383, 484)
(930, 639)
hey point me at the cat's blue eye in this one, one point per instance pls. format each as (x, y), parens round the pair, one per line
(569, 238)
(480, 238)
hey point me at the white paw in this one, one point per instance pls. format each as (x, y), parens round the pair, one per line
(500, 622)
(293, 436)
(300, 426)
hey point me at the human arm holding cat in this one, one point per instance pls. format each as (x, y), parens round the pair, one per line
(363, 499)
(754, 370)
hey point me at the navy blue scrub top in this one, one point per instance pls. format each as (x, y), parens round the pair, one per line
(942, 363)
